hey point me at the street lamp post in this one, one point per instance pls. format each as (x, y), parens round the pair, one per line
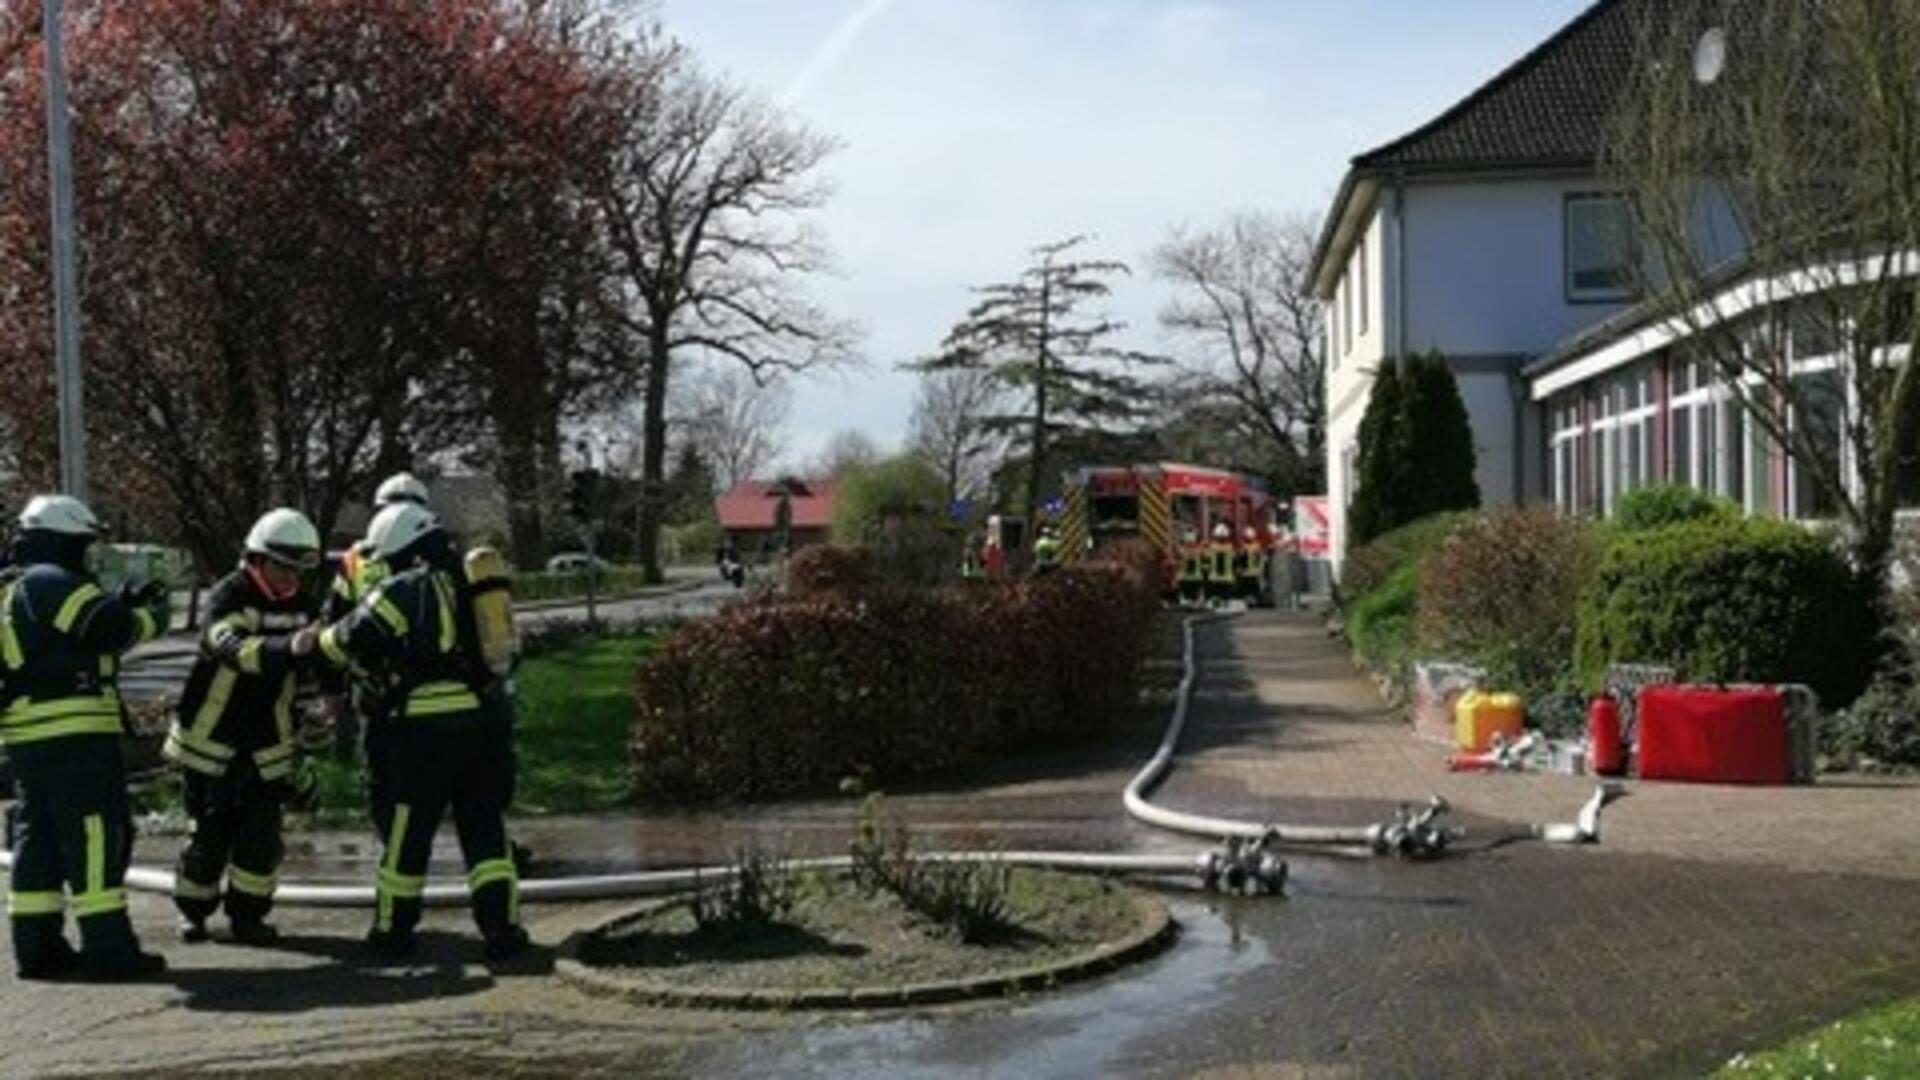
(66, 291)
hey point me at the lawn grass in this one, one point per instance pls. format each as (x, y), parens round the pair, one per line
(1882, 1043)
(576, 713)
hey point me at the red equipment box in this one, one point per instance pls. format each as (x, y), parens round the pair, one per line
(1710, 735)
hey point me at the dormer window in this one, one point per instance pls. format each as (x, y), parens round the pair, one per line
(1600, 249)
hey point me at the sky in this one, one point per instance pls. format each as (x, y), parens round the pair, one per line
(974, 130)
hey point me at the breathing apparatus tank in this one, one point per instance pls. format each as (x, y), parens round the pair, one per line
(489, 591)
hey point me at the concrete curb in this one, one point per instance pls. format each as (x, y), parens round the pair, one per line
(1158, 932)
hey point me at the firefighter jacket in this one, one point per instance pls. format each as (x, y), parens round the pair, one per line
(61, 637)
(360, 571)
(239, 697)
(413, 634)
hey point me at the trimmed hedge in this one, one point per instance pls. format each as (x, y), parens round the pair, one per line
(1750, 600)
(793, 696)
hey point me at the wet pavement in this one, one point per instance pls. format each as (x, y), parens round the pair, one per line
(1709, 921)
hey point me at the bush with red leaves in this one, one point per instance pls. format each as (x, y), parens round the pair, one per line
(794, 695)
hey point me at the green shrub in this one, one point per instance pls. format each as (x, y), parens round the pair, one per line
(1380, 624)
(1669, 504)
(794, 695)
(1728, 601)
(969, 899)
(1882, 725)
(1369, 566)
(1502, 591)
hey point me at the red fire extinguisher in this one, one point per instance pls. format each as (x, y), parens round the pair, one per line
(1603, 733)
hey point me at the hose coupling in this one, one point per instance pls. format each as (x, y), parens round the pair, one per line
(1415, 834)
(1245, 867)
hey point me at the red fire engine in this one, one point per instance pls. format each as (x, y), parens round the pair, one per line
(1215, 529)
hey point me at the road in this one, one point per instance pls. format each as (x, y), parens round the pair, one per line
(159, 669)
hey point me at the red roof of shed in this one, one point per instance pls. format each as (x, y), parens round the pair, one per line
(749, 506)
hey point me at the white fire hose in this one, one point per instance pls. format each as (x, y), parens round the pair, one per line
(1247, 863)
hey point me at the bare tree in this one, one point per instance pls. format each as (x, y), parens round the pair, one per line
(1255, 333)
(1790, 126)
(705, 215)
(950, 428)
(1035, 336)
(847, 449)
(735, 422)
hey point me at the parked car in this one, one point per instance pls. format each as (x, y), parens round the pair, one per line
(575, 562)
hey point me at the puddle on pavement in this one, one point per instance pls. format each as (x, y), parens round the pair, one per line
(1077, 1032)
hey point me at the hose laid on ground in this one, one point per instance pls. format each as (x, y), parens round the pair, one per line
(659, 882)
(1245, 863)
(1367, 837)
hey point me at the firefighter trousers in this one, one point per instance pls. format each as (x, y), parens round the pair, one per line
(464, 763)
(75, 833)
(236, 835)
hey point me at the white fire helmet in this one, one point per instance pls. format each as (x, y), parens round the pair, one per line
(396, 528)
(287, 537)
(60, 514)
(401, 487)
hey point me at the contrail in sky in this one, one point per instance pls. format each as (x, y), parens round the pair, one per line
(833, 49)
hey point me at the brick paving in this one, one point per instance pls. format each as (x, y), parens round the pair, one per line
(1710, 920)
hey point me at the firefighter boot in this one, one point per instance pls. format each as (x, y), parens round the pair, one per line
(41, 951)
(503, 945)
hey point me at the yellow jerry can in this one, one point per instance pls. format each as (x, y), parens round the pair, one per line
(1477, 716)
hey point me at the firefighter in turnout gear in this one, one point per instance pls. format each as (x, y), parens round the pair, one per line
(1221, 580)
(61, 636)
(360, 570)
(1253, 567)
(1192, 576)
(233, 736)
(448, 747)
(1046, 550)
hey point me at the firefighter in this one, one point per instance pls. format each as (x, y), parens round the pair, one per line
(1221, 579)
(360, 570)
(233, 735)
(61, 636)
(1046, 551)
(1192, 579)
(1253, 566)
(446, 748)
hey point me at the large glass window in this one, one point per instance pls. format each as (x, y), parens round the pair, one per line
(1600, 248)
(1822, 400)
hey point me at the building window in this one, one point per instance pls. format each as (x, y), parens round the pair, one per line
(1565, 443)
(1346, 312)
(1822, 400)
(1623, 434)
(1600, 249)
(1361, 284)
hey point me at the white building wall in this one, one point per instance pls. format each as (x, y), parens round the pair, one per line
(1353, 360)
(1486, 267)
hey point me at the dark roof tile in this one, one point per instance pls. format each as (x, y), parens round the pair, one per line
(1548, 108)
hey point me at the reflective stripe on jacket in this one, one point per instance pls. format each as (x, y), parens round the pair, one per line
(60, 640)
(239, 696)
